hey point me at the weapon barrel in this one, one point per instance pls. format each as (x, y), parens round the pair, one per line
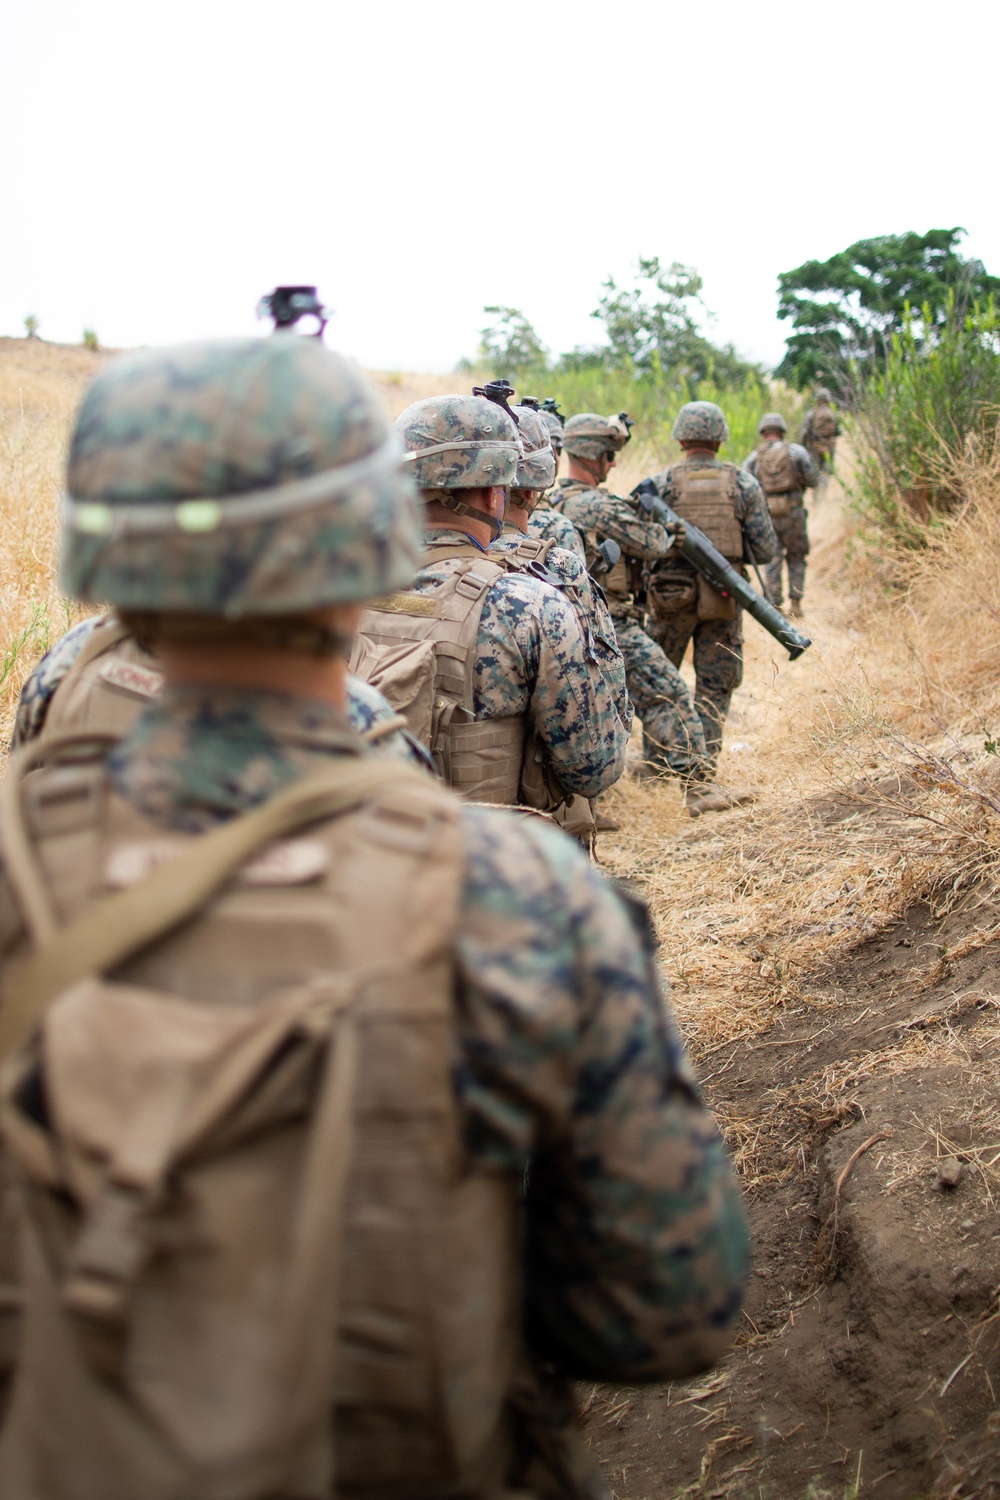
(711, 564)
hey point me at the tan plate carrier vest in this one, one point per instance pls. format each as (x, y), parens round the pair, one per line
(254, 1267)
(419, 650)
(706, 495)
(779, 477)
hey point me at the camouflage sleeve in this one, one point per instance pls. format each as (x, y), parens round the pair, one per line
(609, 516)
(533, 659)
(37, 693)
(749, 464)
(755, 518)
(635, 1238)
(552, 524)
(806, 430)
(596, 624)
(808, 471)
(368, 710)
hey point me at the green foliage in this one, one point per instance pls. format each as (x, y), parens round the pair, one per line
(90, 340)
(31, 326)
(847, 309)
(931, 404)
(653, 325)
(510, 344)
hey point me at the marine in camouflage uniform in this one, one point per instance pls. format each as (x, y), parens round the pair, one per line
(673, 733)
(243, 496)
(683, 609)
(819, 433)
(367, 710)
(544, 522)
(790, 473)
(534, 661)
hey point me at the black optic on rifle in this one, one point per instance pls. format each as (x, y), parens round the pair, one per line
(287, 304)
(499, 392)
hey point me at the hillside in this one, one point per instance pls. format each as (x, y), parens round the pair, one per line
(831, 952)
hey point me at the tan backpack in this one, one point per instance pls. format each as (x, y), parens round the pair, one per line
(251, 1254)
(824, 424)
(777, 471)
(419, 650)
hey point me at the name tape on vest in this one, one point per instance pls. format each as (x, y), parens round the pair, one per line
(117, 672)
(288, 862)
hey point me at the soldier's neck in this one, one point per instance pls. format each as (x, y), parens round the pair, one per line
(477, 531)
(517, 517)
(246, 666)
(578, 473)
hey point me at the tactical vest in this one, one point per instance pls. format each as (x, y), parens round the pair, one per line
(707, 495)
(240, 1159)
(107, 686)
(621, 583)
(419, 650)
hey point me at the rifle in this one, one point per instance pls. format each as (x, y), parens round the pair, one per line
(287, 304)
(710, 563)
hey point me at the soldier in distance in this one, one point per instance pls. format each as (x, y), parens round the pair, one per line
(820, 430)
(728, 505)
(286, 1021)
(784, 472)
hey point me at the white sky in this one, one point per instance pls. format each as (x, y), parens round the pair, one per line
(162, 165)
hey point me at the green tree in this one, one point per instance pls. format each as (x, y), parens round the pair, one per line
(509, 345)
(653, 325)
(90, 339)
(847, 309)
(31, 326)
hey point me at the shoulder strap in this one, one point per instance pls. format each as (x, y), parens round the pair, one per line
(120, 925)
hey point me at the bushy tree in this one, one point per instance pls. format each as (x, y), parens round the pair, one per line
(509, 345)
(90, 340)
(847, 309)
(31, 326)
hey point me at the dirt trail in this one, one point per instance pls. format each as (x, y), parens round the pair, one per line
(860, 1092)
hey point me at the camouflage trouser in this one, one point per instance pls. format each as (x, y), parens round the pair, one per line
(823, 459)
(718, 666)
(673, 738)
(794, 549)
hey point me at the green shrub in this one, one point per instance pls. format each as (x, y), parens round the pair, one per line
(90, 340)
(933, 405)
(31, 326)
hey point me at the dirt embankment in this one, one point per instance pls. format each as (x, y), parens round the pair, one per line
(833, 957)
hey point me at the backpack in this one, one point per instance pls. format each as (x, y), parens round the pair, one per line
(777, 471)
(824, 423)
(419, 650)
(251, 1257)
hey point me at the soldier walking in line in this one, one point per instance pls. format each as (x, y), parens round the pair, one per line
(728, 505)
(285, 1022)
(784, 472)
(820, 430)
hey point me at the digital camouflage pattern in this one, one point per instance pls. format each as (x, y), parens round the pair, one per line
(241, 477)
(459, 442)
(821, 445)
(589, 436)
(673, 735)
(718, 667)
(635, 1246)
(793, 541)
(366, 707)
(718, 644)
(565, 571)
(536, 468)
(532, 661)
(772, 419)
(595, 510)
(549, 524)
(701, 422)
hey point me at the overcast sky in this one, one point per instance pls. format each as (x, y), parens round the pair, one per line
(165, 164)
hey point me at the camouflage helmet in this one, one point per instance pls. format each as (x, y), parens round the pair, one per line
(459, 443)
(822, 394)
(772, 419)
(537, 467)
(236, 477)
(555, 430)
(589, 436)
(701, 421)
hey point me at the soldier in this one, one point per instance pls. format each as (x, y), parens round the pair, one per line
(820, 430)
(728, 505)
(673, 737)
(564, 569)
(545, 522)
(276, 1155)
(98, 677)
(784, 472)
(490, 665)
